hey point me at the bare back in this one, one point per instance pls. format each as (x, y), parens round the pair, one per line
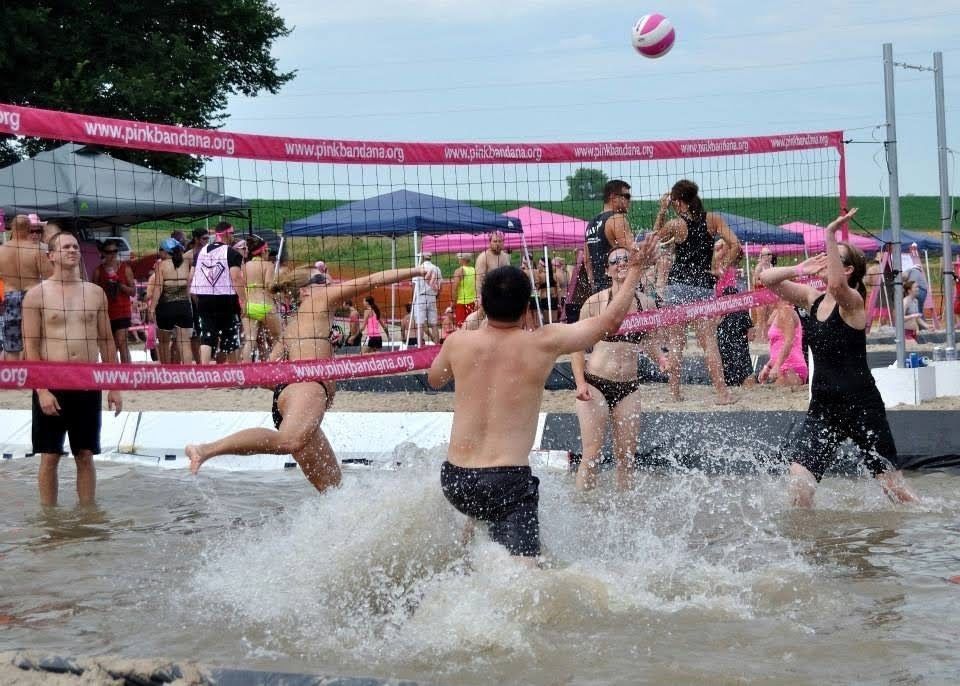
(500, 374)
(72, 320)
(307, 335)
(20, 264)
(258, 275)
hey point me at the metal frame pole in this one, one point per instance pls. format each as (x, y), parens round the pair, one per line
(949, 278)
(891, 145)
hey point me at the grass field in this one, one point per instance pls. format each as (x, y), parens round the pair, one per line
(372, 253)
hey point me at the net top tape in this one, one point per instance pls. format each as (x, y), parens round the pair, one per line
(121, 133)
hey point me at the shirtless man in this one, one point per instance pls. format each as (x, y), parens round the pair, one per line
(299, 406)
(500, 370)
(65, 320)
(491, 258)
(22, 266)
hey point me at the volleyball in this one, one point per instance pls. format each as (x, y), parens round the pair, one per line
(653, 35)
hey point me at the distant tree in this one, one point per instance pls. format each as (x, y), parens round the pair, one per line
(162, 61)
(586, 184)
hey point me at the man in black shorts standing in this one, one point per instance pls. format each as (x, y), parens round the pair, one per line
(65, 320)
(217, 283)
(608, 230)
(500, 371)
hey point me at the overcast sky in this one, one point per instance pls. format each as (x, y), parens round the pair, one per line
(558, 70)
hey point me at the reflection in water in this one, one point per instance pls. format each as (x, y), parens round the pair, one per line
(687, 579)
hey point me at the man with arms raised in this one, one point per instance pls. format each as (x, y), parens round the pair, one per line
(500, 370)
(22, 266)
(608, 230)
(65, 320)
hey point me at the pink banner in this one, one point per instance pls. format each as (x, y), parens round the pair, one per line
(28, 121)
(152, 377)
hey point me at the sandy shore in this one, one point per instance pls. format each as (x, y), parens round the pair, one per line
(656, 397)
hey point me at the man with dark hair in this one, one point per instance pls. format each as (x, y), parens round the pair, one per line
(500, 370)
(608, 230)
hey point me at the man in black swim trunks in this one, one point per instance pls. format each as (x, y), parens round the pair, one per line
(500, 370)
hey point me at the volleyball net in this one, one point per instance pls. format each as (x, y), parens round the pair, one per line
(341, 209)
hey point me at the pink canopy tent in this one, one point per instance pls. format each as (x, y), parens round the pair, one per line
(813, 241)
(540, 228)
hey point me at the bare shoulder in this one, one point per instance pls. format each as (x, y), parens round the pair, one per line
(92, 290)
(34, 295)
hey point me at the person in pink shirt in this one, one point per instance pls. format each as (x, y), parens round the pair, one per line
(786, 366)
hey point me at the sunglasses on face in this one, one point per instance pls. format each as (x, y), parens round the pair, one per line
(625, 196)
(623, 259)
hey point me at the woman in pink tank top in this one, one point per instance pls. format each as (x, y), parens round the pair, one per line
(786, 366)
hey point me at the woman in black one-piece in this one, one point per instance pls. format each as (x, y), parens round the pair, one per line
(845, 402)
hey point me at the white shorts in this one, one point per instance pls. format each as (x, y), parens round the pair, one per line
(425, 310)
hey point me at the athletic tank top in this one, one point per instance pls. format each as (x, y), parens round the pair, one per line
(840, 370)
(633, 336)
(691, 260)
(212, 275)
(598, 249)
(373, 327)
(467, 288)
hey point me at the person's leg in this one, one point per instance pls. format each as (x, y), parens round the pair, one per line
(86, 477)
(788, 378)
(676, 342)
(803, 485)
(626, 436)
(47, 478)
(123, 350)
(250, 330)
(182, 345)
(163, 346)
(706, 331)
(592, 415)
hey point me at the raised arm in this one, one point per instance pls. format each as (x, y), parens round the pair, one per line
(777, 279)
(569, 338)
(848, 298)
(337, 293)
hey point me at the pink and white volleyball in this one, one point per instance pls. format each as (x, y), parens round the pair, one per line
(653, 35)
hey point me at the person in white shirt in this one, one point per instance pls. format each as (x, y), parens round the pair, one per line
(426, 290)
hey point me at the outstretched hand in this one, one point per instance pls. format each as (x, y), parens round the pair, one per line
(842, 219)
(645, 252)
(664, 202)
(813, 265)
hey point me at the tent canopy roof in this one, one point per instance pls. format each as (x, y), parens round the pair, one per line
(401, 213)
(80, 184)
(755, 231)
(540, 228)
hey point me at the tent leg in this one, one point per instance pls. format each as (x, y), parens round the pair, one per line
(546, 258)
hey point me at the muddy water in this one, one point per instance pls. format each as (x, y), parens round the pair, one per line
(689, 579)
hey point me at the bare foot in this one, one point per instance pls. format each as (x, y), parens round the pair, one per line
(726, 399)
(196, 458)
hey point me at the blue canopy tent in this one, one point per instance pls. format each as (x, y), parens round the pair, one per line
(755, 231)
(923, 241)
(401, 213)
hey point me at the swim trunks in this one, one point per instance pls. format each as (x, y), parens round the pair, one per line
(506, 498)
(79, 418)
(13, 321)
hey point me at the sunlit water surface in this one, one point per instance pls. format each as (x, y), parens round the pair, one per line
(688, 579)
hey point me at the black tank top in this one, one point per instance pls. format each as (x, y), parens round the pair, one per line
(691, 260)
(598, 249)
(840, 370)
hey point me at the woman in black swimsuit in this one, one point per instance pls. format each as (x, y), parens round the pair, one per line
(607, 384)
(299, 406)
(845, 402)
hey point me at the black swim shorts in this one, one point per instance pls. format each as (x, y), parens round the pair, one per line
(79, 418)
(506, 498)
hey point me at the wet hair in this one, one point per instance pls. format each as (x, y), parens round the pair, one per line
(290, 282)
(688, 192)
(505, 293)
(615, 187)
(856, 259)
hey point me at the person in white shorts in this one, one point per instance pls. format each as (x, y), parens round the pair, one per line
(426, 290)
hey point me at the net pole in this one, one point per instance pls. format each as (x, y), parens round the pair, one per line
(949, 277)
(894, 181)
(746, 256)
(546, 258)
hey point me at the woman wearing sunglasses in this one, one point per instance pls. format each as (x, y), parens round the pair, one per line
(608, 383)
